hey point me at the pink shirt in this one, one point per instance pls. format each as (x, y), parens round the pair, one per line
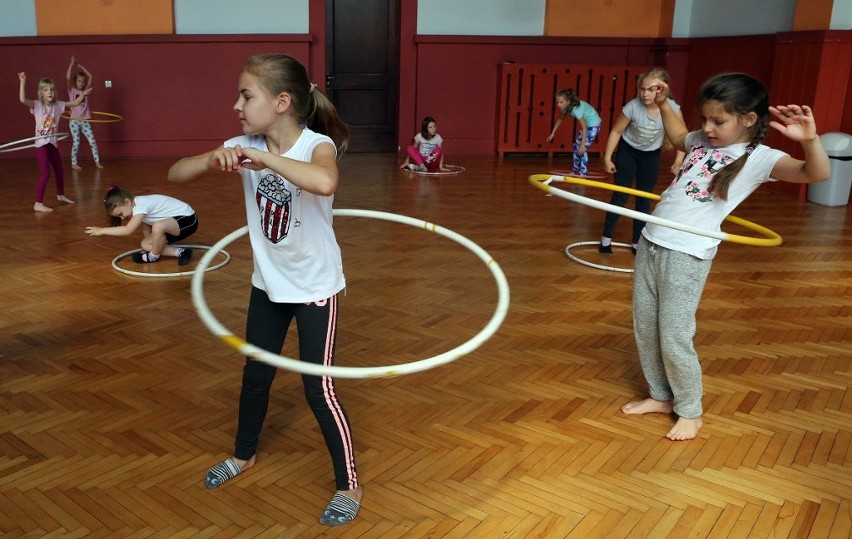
(81, 111)
(47, 121)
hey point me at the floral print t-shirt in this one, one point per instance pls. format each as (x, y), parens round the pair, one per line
(687, 200)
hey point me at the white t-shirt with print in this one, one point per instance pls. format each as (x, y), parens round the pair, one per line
(296, 256)
(687, 200)
(428, 146)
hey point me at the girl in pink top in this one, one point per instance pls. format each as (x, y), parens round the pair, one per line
(79, 81)
(47, 111)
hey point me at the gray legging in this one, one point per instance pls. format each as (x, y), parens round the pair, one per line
(76, 126)
(667, 287)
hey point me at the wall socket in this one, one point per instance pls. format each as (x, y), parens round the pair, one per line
(108, 83)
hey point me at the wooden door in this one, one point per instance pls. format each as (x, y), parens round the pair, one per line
(362, 42)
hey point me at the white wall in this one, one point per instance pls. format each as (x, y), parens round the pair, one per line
(241, 16)
(17, 18)
(481, 17)
(841, 15)
(708, 18)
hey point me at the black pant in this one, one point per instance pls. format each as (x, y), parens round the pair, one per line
(266, 328)
(632, 163)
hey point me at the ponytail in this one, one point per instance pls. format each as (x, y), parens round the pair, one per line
(324, 119)
(282, 73)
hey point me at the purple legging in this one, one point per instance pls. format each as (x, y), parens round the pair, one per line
(432, 162)
(48, 155)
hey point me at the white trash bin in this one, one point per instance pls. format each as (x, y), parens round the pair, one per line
(835, 190)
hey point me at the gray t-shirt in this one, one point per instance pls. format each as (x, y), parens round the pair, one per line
(644, 132)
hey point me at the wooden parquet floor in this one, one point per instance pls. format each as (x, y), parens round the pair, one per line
(115, 400)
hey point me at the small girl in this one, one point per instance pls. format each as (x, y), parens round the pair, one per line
(638, 136)
(726, 162)
(590, 124)
(165, 221)
(78, 83)
(47, 111)
(427, 153)
(287, 160)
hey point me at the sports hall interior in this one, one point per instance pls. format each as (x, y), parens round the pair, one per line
(115, 398)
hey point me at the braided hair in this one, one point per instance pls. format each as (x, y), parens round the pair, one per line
(739, 94)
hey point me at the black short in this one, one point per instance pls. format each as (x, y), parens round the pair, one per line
(187, 224)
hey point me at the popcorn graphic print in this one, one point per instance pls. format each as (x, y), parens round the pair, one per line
(273, 201)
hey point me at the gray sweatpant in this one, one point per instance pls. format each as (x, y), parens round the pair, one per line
(667, 287)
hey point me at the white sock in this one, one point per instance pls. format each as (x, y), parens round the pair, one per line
(606, 242)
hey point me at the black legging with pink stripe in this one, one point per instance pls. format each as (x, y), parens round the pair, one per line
(266, 328)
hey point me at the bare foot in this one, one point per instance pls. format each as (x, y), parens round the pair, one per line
(100, 166)
(76, 167)
(38, 206)
(65, 199)
(685, 429)
(647, 406)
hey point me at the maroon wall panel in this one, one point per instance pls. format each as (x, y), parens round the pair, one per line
(176, 93)
(527, 109)
(458, 80)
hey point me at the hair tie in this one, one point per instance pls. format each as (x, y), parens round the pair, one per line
(312, 88)
(749, 149)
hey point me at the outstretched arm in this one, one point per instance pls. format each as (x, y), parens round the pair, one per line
(555, 127)
(797, 123)
(191, 168)
(123, 230)
(70, 73)
(22, 92)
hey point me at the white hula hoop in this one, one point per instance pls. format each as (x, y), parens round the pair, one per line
(174, 274)
(592, 264)
(10, 146)
(452, 170)
(543, 182)
(356, 372)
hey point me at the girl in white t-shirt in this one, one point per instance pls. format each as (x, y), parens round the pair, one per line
(427, 152)
(164, 221)
(725, 163)
(287, 160)
(47, 111)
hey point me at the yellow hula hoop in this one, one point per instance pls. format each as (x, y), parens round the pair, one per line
(109, 118)
(770, 239)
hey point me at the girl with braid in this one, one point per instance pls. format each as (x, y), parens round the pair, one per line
(286, 160)
(725, 163)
